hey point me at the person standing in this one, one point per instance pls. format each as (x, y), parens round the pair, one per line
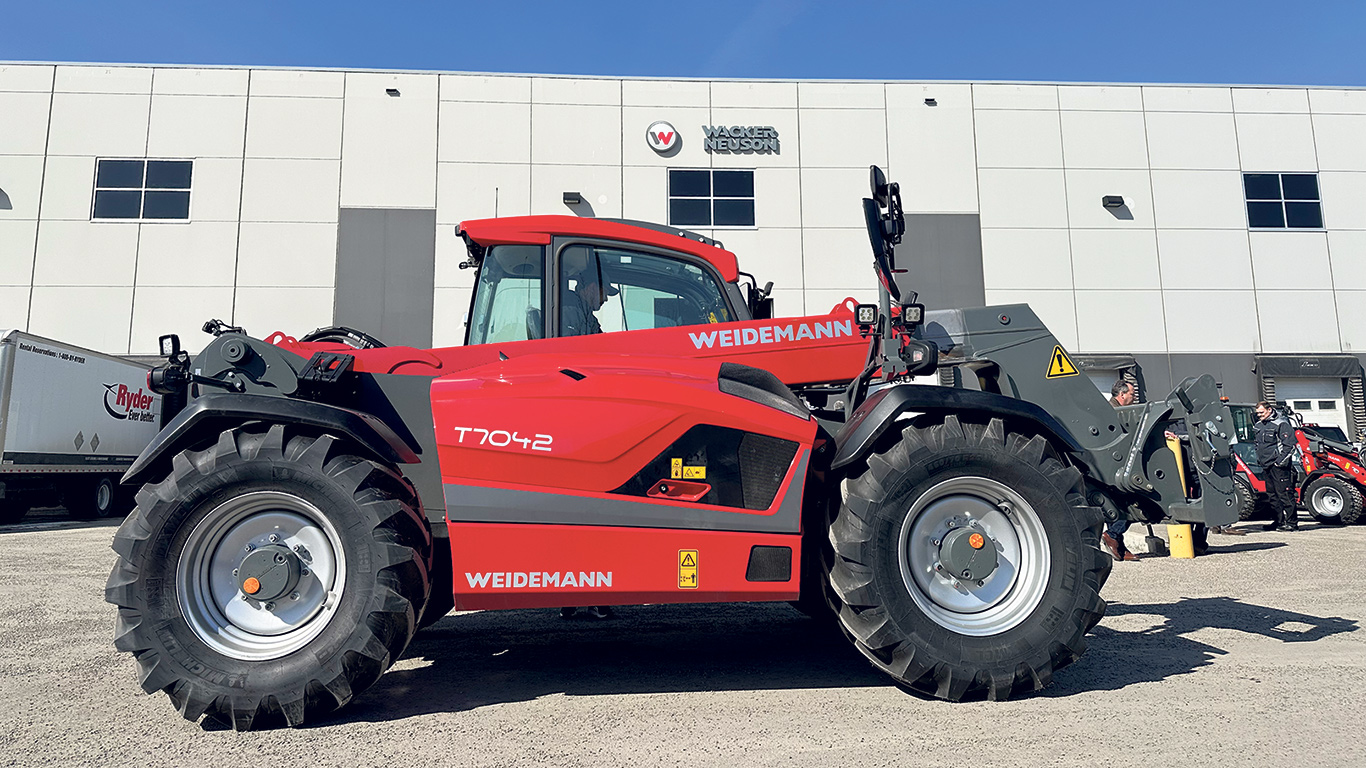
(1121, 394)
(1275, 444)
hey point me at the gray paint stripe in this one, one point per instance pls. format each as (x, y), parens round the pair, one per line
(476, 504)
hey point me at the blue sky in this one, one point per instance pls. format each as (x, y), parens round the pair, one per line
(1302, 42)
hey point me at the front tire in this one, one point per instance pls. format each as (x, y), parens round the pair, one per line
(346, 533)
(996, 634)
(1333, 501)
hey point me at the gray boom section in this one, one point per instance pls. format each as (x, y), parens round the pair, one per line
(1012, 352)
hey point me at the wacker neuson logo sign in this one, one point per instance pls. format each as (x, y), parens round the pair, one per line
(745, 139)
(661, 136)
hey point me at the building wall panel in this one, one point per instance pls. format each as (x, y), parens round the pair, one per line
(389, 142)
(25, 128)
(932, 150)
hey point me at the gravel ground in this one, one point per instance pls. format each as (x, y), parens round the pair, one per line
(1250, 656)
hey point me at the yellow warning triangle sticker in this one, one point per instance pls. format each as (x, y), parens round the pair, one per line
(688, 560)
(1059, 365)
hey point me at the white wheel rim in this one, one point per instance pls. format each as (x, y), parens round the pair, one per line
(1009, 594)
(1327, 501)
(206, 582)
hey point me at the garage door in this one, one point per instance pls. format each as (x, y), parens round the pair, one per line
(1319, 401)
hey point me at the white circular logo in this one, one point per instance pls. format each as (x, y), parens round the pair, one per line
(661, 136)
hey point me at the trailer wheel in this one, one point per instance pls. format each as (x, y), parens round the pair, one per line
(1333, 501)
(1246, 498)
(967, 562)
(267, 581)
(93, 499)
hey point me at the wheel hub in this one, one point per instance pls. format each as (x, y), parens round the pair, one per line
(974, 555)
(261, 575)
(1329, 502)
(965, 553)
(269, 573)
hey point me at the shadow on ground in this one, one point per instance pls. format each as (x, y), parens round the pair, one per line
(56, 519)
(1164, 649)
(474, 660)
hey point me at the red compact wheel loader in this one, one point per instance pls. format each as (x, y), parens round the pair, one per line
(1329, 476)
(629, 424)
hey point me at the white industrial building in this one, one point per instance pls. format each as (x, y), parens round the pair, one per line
(1160, 230)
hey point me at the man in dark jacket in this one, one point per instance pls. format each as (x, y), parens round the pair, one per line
(1275, 443)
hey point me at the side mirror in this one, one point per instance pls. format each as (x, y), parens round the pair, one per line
(763, 309)
(877, 184)
(170, 345)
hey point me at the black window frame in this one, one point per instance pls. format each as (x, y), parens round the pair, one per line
(739, 209)
(555, 279)
(1269, 207)
(170, 196)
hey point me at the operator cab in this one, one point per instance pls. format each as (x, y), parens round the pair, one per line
(594, 281)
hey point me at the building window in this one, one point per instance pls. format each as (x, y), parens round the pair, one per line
(1283, 200)
(716, 198)
(142, 190)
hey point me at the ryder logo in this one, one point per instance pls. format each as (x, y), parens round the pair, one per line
(127, 403)
(772, 334)
(661, 136)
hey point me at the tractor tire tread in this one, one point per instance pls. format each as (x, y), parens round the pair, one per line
(863, 614)
(399, 534)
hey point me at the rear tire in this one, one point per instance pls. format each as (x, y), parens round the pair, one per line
(97, 499)
(295, 657)
(1007, 634)
(1333, 501)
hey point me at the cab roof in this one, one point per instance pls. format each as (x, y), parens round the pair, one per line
(538, 230)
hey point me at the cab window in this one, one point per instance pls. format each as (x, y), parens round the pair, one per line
(604, 289)
(508, 296)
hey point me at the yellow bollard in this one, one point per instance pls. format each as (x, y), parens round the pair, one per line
(1181, 544)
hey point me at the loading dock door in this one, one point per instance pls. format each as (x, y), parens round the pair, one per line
(1319, 401)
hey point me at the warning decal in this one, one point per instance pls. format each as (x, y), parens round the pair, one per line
(679, 472)
(687, 569)
(1059, 365)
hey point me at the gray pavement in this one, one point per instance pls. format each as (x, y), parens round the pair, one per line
(1253, 655)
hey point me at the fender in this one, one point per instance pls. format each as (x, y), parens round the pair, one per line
(216, 412)
(856, 439)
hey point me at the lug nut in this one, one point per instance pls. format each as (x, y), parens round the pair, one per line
(274, 537)
(303, 571)
(279, 559)
(249, 547)
(294, 596)
(270, 606)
